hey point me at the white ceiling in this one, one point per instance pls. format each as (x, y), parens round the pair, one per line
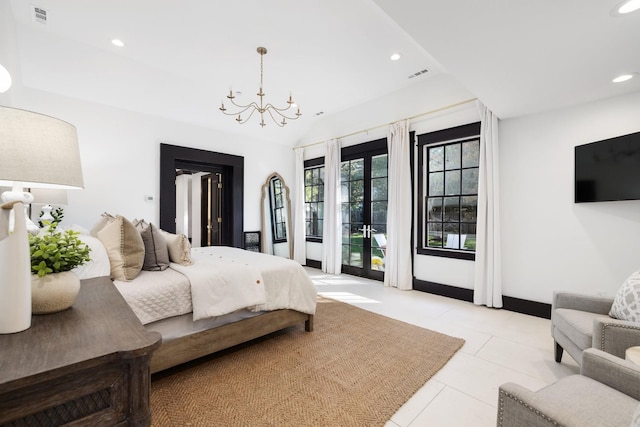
(182, 57)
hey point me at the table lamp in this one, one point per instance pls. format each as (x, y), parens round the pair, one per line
(37, 151)
(47, 197)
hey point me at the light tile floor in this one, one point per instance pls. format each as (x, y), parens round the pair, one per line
(500, 346)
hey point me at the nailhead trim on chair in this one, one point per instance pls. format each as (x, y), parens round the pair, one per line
(504, 394)
(611, 325)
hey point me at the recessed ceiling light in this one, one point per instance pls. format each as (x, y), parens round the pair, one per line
(623, 78)
(628, 6)
(395, 57)
(117, 42)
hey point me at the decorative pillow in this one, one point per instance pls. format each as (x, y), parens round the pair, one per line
(179, 248)
(626, 305)
(105, 219)
(125, 248)
(156, 254)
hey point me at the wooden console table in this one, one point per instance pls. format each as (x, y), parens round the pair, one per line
(88, 365)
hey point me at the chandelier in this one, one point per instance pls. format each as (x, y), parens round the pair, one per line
(278, 115)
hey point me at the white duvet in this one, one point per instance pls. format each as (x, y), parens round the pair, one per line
(222, 280)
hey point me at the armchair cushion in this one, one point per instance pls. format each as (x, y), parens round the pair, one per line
(604, 394)
(572, 401)
(626, 304)
(577, 325)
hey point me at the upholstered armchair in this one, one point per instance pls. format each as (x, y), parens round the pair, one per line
(579, 322)
(606, 393)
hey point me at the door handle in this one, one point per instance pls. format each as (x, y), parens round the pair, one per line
(366, 231)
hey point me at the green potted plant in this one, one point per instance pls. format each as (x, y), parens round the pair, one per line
(54, 254)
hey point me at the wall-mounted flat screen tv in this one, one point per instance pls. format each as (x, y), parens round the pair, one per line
(608, 170)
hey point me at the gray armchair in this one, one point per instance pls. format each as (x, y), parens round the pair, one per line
(606, 393)
(579, 322)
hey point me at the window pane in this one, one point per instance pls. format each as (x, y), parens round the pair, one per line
(470, 154)
(470, 181)
(345, 254)
(345, 213)
(379, 166)
(434, 234)
(357, 191)
(308, 177)
(451, 209)
(345, 234)
(469, 209)
(434, 209)
(436, 184)
(357, 169)
(307, 194)
(436, 159)
(452, 235)
(320, 193)
(452, 157)
(379, 212)
(344, 191)
(379, 189)
(452, 183)
(344, 171)
(356, 212)
(320, 210)
(468, 235)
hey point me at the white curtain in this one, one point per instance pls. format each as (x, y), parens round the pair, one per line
(299, 230)
(488, 275)
(332, 226)
(397, 270)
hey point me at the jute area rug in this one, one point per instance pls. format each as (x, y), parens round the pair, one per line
(356, 368)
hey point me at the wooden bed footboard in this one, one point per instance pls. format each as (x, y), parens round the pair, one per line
(190, 347)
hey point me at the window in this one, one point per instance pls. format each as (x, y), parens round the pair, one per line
(449, 161)
(314, 201)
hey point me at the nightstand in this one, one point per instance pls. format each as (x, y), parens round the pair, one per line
(88, 365)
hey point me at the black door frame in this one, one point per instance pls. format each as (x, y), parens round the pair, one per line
(171, 156)
(367, 149)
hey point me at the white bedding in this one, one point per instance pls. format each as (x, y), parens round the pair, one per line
(220, 284)
(156, 295)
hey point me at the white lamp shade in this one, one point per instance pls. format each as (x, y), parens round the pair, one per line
(38, 151)
(47, 196)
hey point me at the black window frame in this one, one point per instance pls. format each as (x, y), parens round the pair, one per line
(449, 136)
(312, 164)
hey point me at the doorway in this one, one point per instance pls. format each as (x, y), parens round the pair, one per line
(230, 167)
(364, 194)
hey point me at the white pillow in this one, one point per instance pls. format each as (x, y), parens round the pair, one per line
(99, 265)
(626, 304)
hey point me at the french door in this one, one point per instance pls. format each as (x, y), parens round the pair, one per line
(364, 189)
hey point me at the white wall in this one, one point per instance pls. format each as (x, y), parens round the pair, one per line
(120, 152)
(548, 241)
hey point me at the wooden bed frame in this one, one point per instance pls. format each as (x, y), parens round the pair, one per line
(199, 344)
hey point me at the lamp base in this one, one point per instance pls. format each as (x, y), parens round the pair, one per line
(15, 271)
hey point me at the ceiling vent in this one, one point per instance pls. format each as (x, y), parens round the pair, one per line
(419, 73)
(39, 14)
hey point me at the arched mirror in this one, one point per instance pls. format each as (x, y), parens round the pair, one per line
(276, 217)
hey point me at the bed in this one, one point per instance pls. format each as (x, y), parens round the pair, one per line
(227, 296)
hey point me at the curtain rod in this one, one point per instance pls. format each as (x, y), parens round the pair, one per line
(437, 110)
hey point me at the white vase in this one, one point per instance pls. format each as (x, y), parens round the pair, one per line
(54, 292)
